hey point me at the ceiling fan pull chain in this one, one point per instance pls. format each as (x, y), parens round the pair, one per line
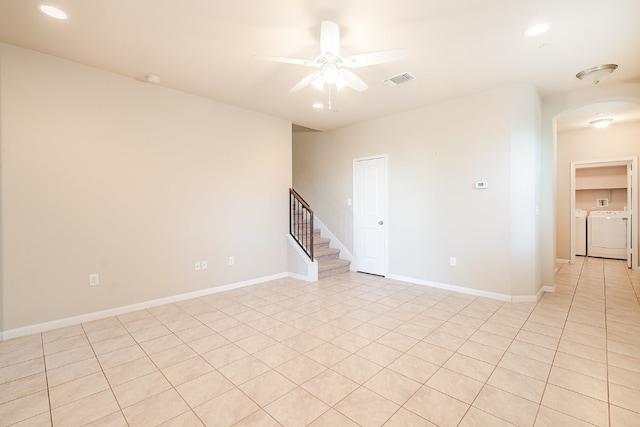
(330, 93)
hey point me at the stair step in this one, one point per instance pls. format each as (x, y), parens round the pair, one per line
(320, 242)
(326, 253)
(332, 267)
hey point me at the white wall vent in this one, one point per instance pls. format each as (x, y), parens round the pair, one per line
(398, 79)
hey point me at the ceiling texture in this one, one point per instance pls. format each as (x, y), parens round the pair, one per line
(453, 48)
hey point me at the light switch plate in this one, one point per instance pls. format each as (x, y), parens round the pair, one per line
(94, 279)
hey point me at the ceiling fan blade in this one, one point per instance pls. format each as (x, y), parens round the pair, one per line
(373, 58)
(306, 81)
(329, 38)
(294, 61)
(353, 81)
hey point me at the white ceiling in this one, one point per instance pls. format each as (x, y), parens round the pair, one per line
(580, 118)
(454, 47)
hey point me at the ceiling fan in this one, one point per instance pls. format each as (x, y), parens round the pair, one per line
(333, 67)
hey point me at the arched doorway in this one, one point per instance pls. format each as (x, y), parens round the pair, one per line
(577, 142)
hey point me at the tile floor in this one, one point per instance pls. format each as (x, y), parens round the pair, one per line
(349, 350)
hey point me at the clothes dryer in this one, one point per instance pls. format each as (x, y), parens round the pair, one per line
(607, 234)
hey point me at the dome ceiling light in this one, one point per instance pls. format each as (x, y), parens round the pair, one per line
(601, 123)
(596, 74)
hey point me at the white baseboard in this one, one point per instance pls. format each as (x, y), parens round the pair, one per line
(299, 277)
(468, 291)
(335, 242)
(563, 261)
(529, 298)
(75, 320)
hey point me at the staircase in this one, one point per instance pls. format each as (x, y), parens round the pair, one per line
(301, 228)
(329, 262)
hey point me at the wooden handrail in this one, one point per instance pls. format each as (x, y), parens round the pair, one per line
(299, 197)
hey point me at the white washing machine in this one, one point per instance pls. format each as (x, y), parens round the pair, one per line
(580, 233)
(607, 234)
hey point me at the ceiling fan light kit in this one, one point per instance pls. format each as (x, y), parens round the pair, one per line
(333, 67)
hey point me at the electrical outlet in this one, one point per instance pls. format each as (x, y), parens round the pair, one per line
(204, 264)
(94, 279)
(452, 261)
(231, 260)
(198, 266)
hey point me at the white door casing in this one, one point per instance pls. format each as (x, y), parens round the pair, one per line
(632, 204)
(369, 214)
(631, 213)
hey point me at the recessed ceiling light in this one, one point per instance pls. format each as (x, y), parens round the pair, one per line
(318, 105)
(53, 12)
(537, 29)
(601, 123)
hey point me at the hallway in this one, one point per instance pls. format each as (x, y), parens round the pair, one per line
(596, 316)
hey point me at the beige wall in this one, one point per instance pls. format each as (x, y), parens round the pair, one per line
(618, 140)
(435, 155)
(105, 174)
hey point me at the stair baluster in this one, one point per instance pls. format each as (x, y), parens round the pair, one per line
(301, 222)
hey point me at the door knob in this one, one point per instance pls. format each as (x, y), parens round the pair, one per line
(380, 222)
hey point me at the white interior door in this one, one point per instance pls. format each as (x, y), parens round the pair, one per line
(369, 214)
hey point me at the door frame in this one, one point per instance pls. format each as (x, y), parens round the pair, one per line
(633, 192)
(385, 186)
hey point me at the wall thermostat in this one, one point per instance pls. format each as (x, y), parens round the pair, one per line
(481, 184)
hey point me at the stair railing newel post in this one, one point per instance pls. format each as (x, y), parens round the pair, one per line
(311, 233)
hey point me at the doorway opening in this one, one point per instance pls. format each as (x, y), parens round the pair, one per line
(607, 192)
(578, 143)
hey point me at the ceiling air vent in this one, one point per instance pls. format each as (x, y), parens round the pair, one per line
(398, 79)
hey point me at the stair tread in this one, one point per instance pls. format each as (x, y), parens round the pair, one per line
(332, 264)
(326, 251)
